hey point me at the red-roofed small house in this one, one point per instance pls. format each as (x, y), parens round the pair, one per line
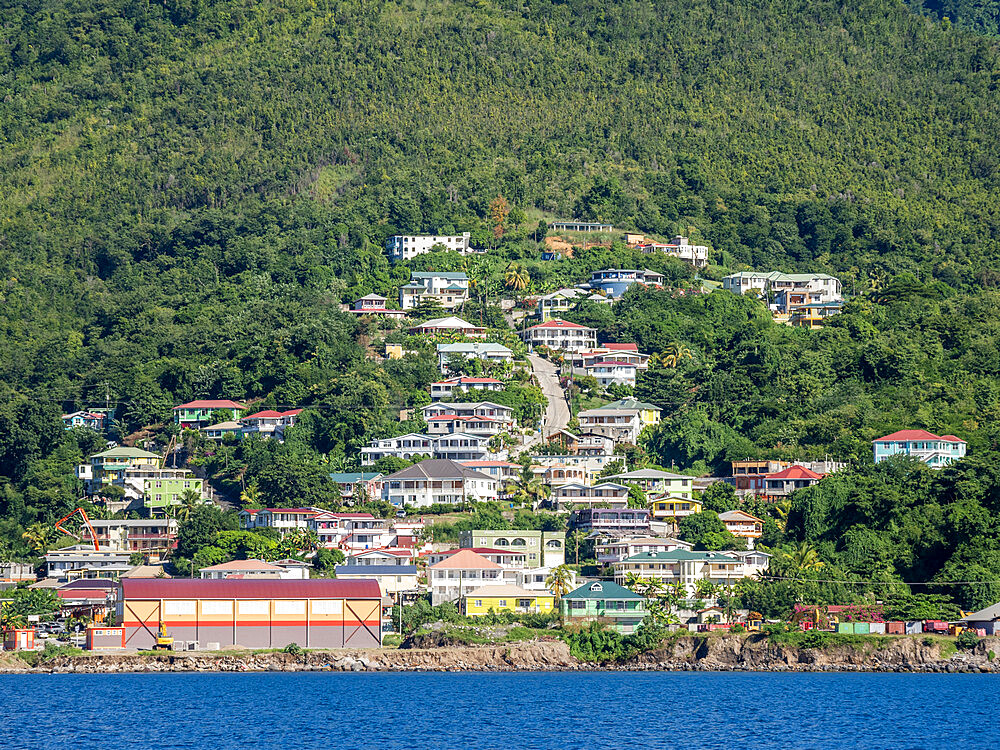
(448, 388)
(460, 573)
(269, 423)
(785, 482)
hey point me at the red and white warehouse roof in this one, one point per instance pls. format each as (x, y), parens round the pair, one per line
(247, 588)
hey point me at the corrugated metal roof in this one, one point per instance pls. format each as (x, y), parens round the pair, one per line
(376, 570)
(277, 588)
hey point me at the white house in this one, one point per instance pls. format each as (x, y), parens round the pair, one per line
(268, 423)
(450, 324)
(351, 531)
(487, 351)
(438, 481)
(457, 446)
(253, 569)
(283, 519)
(678, 247)
(463, 384)
(615, 550)
(561, 334)
(605, 494)
(612, 372)
(405, 247)
(479, 418)
(458, 574)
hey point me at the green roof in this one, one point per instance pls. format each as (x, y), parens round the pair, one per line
(602, 590)
(681, 555)
(358, 476)
(126, 452)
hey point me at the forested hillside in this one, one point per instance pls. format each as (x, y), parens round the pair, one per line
(189, 190)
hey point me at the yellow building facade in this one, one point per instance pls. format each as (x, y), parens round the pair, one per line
(512, 598)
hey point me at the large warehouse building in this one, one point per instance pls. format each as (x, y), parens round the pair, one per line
(272, 613)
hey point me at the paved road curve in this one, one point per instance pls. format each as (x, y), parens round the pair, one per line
(557, 412)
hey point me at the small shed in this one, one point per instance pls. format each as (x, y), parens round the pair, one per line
(19, 639)
(104, 638)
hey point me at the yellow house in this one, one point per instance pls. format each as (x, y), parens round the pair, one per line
(649, 414)
(480, 601)
(668, 508)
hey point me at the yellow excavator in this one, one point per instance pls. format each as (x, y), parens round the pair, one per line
(163, 641)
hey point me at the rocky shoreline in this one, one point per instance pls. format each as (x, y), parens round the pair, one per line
(718, 653)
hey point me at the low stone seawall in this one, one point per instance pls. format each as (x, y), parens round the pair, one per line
(737, 653)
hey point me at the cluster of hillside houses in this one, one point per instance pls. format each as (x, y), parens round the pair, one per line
(461, 455)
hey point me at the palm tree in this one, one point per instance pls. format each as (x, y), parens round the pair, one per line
(517, 278)
(250, 498)
(559, 580)
(634, 581)
(190, 499)
(804, 558)
(781, 512)
(674, 354)
(38, 536)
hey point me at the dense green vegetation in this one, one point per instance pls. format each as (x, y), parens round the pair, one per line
(190, 189)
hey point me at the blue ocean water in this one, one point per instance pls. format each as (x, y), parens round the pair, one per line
(426, 711)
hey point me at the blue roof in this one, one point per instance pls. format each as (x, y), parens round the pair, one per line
(377, 570)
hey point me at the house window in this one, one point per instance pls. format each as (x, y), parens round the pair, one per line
(478, 602)
(503, 602)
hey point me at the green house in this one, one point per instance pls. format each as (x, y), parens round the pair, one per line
(621, 608)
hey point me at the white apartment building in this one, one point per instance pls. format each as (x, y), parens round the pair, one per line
(678, 247)
(463, 384)
(457, 446)
(438, 481)
(404, 247)
(621, 425)
(816, 287)
(561, 334)
(484, 350)
(613, 372)
(615, 550)
(605, 494)
(448, 289)
(283, 519)
(479, 418)
(458, 574)
(351, 531)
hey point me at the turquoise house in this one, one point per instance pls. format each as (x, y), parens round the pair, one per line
(623, 610)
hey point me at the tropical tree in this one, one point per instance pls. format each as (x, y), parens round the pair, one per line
(706, 589)
(559, 580)
(38, 536)
(673, 355)
(251, 498)
(803, 558)
(516, 278)
(190, 499)
(634, 581)
(528, 489)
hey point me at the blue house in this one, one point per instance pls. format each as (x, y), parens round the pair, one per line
(934, 450)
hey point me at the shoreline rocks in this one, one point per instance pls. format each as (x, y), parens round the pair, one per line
(721, 653)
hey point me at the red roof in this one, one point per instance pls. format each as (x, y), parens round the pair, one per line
(794, 472)
(612, 362)
(906, 435)
(291, 413)
(211, 404)
(99, 594)
(622, 347)
(479, 551)
(463, 379)
(302, 511)
(556, 323)
(267, 413)
(247, 588)
(488, 463)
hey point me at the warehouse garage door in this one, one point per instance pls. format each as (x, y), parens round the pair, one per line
(142, 621)
(289, 623)
(362, 622)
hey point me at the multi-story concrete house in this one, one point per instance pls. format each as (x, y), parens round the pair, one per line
(502, 471)
(352, 532)
(149, 536)
(373, 304)
(283, 519)
(562, 335)
(554, 304)
(457, 446)
(615, 550)
(605, 495)
(506, 558)
(935, 451)
(682, 566)
(463, 384)
(475, 418)
(785, 482)
(678, 247)
(487, 351)
(448, 288)
(268, 423)
(83, 561)
(404, 247)
(438, 481)
(621, 425)
(614, 282)
(540, 548)
(804, 299)
(97, 421)
(658, 482)
(742, 524)
(612, 372)
(198, 414)
(460, 573)
(573, 225)
(611, 521)
(672, 509)
(611, 353)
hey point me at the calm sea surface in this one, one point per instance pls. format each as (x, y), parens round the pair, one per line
(287, 711)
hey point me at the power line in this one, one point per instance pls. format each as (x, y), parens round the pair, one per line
(877, 583)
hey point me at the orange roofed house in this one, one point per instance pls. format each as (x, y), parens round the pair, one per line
(783, 483)
(458, 574)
